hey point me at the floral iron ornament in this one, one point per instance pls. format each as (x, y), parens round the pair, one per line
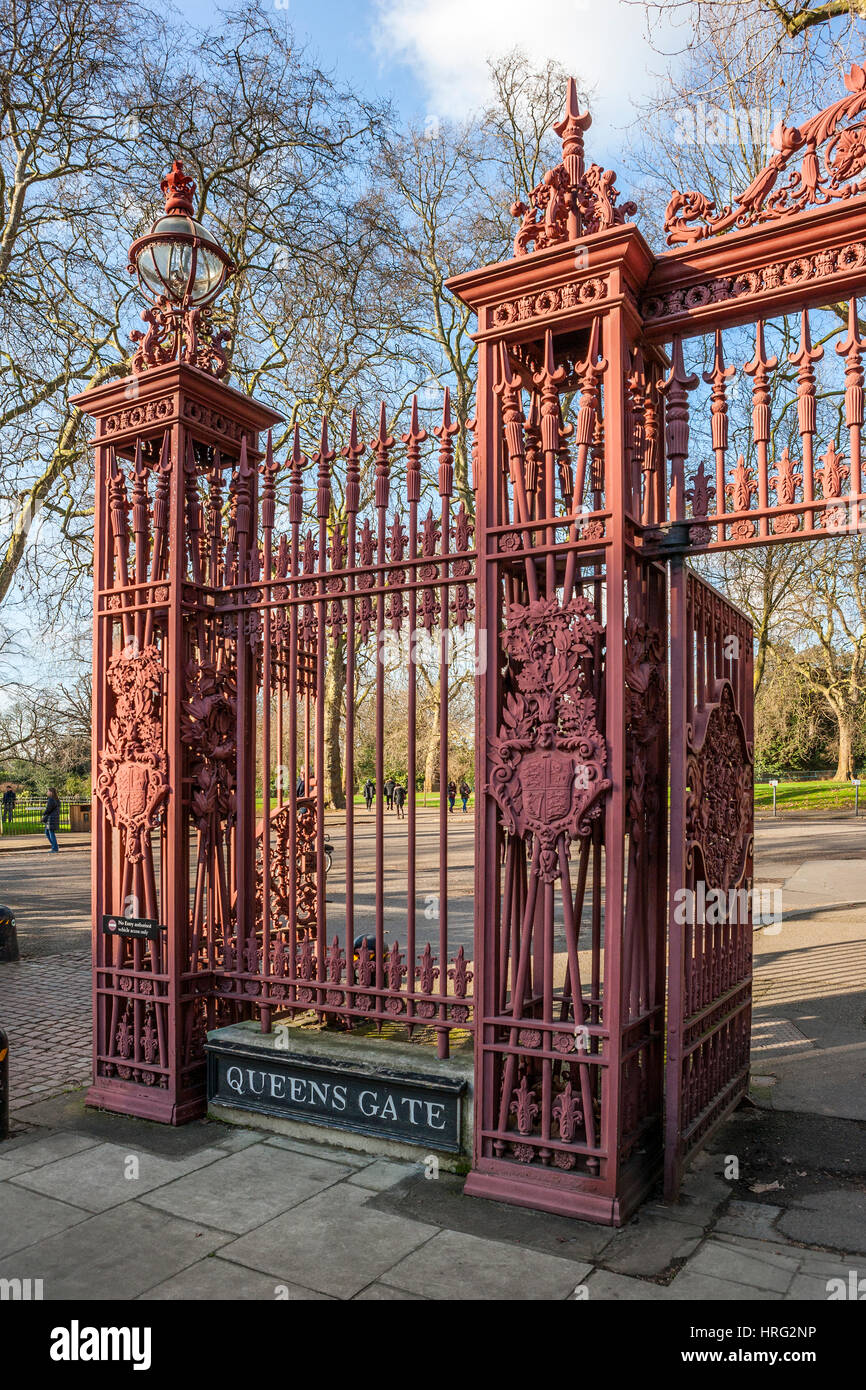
(208, 725)
(548, 759)
(571, 200)
(133, 766)
(691, 216)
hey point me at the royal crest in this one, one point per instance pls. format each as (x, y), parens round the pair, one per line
(549, 758)
(133, 767)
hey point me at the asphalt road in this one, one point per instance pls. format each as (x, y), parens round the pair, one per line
(51, 894)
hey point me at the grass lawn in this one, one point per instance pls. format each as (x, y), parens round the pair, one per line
(809, 796)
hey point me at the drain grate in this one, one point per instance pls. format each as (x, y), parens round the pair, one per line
(777, 1035)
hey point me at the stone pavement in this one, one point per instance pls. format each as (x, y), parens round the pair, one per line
(809, 1011)
(99, 1206)
(45, 1007)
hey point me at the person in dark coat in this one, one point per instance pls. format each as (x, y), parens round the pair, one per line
(389, 792)
(452, 793)
(8, 804)
(465, 793)
(369, 792)
(51, 819)
(399, 798)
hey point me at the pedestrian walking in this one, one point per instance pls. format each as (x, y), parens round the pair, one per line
(452, 795)
(369, 792)
(465, 793)
(51, 819)
(8, 805)
(389, 792)
(399, 798)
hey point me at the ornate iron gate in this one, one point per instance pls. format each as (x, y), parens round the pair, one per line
(711, 825)
(604, 424)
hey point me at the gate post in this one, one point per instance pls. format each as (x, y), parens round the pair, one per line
(172, 444)
(154, 632)
(570, 710)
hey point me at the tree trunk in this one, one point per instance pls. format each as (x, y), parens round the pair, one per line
(431, 761)
(845, 763)
(335, 687)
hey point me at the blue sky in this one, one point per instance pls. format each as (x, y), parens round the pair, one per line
(430, 55)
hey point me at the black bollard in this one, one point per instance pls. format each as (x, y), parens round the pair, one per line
(4, 1084)
(8, 935)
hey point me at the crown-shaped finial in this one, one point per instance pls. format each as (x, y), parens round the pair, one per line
(179, 190)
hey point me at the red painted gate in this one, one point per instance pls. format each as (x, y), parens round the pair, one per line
(711, 827)
(611, 443)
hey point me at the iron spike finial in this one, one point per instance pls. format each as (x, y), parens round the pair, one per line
(382, 446)
(352, 453)
(296, 489)
(445, 433)
(413, 441)
(324, 457)
(852, 342)
(572, 126)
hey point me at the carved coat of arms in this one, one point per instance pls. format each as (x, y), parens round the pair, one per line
(133, 766)
(548, 758)
(719, 805)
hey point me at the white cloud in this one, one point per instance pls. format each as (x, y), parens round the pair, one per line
(447, 44)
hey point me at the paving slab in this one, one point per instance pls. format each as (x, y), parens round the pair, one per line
(815, 1262)
(238, 1139)
(441, 1201)
(702, 1192)
(96, 1179)
(70, 1113)
(689, 1286)
(752, 1267)
(621, 1288)
(650, 1244)
(462, 1267)
(117, 1254)
(334, 1242)
(755, 1219)
(348, 1157)
(36, 1148)
(216, 1279)
(383, 1173)
(383, 1293)
(811, 1288)
(28, 1217)
(836, 1219)
(246, 1189)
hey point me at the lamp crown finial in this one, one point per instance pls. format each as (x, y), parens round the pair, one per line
(179, 190)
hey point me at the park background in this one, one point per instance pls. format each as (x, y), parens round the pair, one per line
(369, 153)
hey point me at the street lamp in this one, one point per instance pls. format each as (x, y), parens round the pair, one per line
(181, 267)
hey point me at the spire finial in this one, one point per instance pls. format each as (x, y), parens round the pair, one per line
(571, 129)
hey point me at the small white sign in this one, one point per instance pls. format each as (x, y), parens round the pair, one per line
(774, 782)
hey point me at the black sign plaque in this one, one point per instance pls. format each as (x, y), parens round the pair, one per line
(141, 928)
(410, 1108)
